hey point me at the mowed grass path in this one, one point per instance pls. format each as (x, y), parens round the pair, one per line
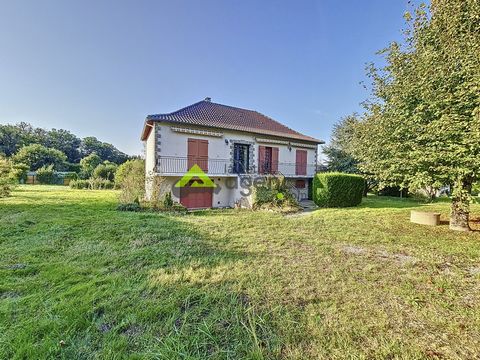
(80, 280)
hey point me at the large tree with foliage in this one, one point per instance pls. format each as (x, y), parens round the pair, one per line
(104, 150)
(339, 151)
(36, 156)
(422, 128)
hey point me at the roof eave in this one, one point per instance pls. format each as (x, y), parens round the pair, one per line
(154, 118)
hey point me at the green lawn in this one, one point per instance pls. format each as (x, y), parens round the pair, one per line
(80, 280)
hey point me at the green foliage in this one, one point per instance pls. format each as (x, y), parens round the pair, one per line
(7, 177)
(422, 127)
(14, 137)
(20, 171)
(129, 207)
(92, 184)
(337, 189)
(46, 175)
(106, 171)
(105, 151)
(79, 184)
(339, 151)
(130, 178)
(274, 195)
(167, 200)
(136, 166)
(88, 164)
(36, 156)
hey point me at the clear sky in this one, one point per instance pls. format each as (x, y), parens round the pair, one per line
(99, 67)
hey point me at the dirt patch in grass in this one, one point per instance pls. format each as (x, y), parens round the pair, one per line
(402, 259)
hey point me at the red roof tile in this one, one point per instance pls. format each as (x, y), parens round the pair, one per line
(209, 114)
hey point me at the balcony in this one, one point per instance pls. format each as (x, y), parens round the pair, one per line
(177, 166)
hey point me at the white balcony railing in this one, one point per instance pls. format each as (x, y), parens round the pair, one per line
(173, 165)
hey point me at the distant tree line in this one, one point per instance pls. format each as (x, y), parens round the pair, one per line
(48, 152)
(15, 137)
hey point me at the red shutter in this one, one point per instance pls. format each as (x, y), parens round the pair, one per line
(301, 162)
(198, 153)
(274, 160)
(203, 154)
(192, 152)
(261, 159)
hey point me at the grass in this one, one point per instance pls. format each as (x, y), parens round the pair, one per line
(80, 280)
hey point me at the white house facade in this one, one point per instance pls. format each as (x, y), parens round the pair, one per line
(235, 147)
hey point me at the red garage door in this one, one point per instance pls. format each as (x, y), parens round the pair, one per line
(196, 197)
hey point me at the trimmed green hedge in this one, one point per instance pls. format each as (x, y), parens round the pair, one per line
(337, 189)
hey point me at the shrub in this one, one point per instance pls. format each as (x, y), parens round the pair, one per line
(19, 172)
(167, 200)
(7, 177)
(92, 184)
(46, 175)
(129, 207)
(100, 184)
(130, 178)
(274, 195)
(79, 184)
(337, 189)
(105, 171)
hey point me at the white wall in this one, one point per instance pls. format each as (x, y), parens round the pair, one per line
(173, 143)
(149, 161)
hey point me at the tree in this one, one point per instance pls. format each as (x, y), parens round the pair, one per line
(10, 140)
(7, 178)
(36, 156)
(106, 171)
(339, 151)
(422, 127)
(64, 141)
(89, 163)
(104, 150)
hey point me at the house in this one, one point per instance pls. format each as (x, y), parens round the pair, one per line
(236, 148)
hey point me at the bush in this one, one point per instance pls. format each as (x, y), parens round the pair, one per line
(79, 184)
(337, 189)
(274, 195)
(46, 175)
(130, 178)
(106, 170)
(92, 184)
(129, 207)
(7, 177)
(167, 200)
(100, 184)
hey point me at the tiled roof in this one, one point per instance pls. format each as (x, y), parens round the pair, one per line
(210, 114)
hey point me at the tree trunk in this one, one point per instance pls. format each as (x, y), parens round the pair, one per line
(460, 210)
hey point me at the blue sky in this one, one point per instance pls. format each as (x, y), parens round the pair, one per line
(99, 67)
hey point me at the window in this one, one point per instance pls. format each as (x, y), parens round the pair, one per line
(267, 160)
(300, 184)
(240, 158)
